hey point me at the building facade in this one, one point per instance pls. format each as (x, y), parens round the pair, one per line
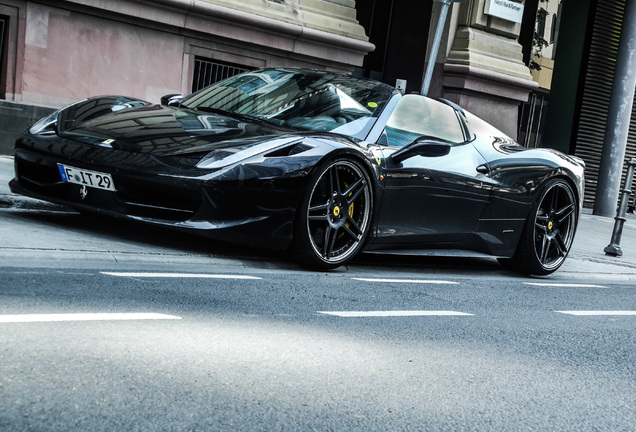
(58, 51)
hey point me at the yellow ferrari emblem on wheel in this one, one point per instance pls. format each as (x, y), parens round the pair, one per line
(336, 211)
(550, 225)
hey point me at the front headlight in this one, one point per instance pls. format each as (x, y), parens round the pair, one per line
(45, 126)
(231, 154)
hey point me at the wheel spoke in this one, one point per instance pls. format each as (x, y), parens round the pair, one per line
(355, 226)
(331, 180)
(330, 240)
(542, 223)
(545, 248)
(355, 190)
(319, 213)
(347, 231)
(565, 212)
(561, 247)
(334, 180)
(554, 201)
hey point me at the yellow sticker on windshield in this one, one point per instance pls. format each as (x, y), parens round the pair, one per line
(108, 141)
(372, 104)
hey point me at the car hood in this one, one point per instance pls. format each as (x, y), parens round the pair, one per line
(158, 130)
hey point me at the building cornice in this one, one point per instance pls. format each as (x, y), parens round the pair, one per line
(184, 13)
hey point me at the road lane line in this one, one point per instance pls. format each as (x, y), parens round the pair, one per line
(403, 313)
(563, 285)
(31, 318)
(598, 313)
(180, 275)
(415, 281)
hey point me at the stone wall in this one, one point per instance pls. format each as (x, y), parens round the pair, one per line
(484, 70)
(62, 51)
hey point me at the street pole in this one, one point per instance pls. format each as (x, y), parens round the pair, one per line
(619, 115)
(435, 47)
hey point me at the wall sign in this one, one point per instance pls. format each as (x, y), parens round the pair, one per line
(504, 9)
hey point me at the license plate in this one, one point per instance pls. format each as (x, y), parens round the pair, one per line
(88, 178)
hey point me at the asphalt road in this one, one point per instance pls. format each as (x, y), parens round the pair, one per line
(110, 326)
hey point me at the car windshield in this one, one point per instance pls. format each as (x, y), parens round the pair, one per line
(302, 100)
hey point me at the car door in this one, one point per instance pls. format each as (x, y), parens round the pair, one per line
(429, 197)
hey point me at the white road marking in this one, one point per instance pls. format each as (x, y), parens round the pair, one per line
(404, 313)
(30, 318)
(180, 275)
(563, 285)
(598, 313)
(415, 281)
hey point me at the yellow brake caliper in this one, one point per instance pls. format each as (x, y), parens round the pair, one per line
(350, 211)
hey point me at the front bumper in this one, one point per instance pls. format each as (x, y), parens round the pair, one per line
(257, 214)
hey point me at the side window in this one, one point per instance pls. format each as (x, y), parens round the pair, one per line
(416, 116)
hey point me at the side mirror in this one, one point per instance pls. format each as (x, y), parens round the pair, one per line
(171, 99)
(423, 146)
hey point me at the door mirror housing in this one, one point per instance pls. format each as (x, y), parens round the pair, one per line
(171, 100)
(422, 146)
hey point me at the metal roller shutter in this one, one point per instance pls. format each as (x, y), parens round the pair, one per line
(597, 90)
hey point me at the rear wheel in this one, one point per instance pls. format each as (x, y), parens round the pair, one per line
(334, 216)
(547, 237)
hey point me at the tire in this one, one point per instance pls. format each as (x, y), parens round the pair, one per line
(549, 231)
(334, 216)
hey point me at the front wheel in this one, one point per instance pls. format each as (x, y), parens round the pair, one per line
(334, 217)
(549, 232)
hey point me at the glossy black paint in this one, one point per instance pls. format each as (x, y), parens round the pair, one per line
(432, 199)
(250, 203)
(241, 180)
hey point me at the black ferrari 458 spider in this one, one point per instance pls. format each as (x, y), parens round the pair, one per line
(323, 164)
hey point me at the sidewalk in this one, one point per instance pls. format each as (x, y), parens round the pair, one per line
(587, 260)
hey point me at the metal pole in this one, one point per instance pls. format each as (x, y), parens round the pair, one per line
(435, 48)
(614, 248)
(615, 142)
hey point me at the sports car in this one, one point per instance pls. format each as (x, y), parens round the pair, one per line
(322, 164)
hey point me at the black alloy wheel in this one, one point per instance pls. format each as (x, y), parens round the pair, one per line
(549, 231)
(335, 215)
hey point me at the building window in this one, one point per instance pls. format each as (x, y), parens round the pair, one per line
(208, 71)
(541, 18)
